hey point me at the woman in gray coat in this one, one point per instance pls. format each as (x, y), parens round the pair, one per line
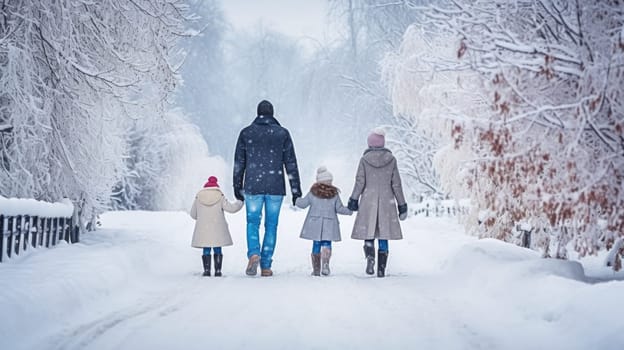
(381, 202)
(321, 224)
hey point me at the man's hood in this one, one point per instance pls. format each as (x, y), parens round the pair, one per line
(378, 157)
(209, 196)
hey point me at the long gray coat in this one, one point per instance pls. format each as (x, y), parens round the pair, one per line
(321, 223)
(379, 184)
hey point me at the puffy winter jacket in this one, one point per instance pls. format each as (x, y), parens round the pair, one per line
(263, 150)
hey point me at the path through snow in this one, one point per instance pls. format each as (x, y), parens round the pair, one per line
(136, 284)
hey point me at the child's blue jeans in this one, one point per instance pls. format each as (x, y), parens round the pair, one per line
(217, 250)
(316, 246)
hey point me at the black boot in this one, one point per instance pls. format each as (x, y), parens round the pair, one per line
(382, 259)
(206, 261)
(369, 253)
(218, 258)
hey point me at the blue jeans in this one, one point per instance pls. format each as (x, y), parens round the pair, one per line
(272, 205)
(217, 250)
(383, 244)
(316, 246)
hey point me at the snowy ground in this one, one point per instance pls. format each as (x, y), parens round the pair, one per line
(136, 284)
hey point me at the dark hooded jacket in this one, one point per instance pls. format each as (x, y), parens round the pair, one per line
(263, 151)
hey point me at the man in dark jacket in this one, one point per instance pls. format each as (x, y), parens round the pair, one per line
(263, 150)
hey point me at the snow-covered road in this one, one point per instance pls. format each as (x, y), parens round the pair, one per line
(136, 284)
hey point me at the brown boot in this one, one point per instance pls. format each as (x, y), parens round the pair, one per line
(316, 264)
(325, 255)
(266, 273)
(252, 265)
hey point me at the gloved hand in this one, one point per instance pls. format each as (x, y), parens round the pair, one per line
(238, 193)
(403, 212)
(353, 204)
(294, 198)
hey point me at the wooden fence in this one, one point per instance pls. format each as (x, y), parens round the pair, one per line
(23, 232)
(441, 210)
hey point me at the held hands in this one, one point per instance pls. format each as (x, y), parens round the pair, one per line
(238, 193)
(294, 199)
(403, 211)
(353, 204)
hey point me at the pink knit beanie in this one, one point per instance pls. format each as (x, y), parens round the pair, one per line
(377, 138)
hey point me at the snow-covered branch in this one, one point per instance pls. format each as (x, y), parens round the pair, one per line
(533, 108)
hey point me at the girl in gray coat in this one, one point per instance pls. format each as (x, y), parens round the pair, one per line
(381, 202)
(321, 224)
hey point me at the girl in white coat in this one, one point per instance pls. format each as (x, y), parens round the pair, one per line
(211, 229)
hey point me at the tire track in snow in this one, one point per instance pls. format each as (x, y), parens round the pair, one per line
(87, 334)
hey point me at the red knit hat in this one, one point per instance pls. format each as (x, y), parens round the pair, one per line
(212, 182)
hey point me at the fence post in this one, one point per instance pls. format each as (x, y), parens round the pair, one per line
(46, 231)
(70, 230)
(17, 231)
(42, 232)
(526, 239)
(19, 238)
(34, 231)
(59, 229)
(15, 236)
(62, 235)
(39, 232)
(3, 242)
(26, 228)
(76, 230)
(9, 236)
(54, 230)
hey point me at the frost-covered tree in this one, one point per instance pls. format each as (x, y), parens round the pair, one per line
(540, 119)
(204, 93)
(71, 75)
(373, 29)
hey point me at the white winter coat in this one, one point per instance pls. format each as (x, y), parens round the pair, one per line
(211, 229)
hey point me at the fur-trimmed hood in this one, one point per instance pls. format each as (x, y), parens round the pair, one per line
(324, 191)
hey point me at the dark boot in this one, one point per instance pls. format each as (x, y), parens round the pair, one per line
(206, 261)
(369, 253)
(316, 264)
(382, 259)
(218, 260)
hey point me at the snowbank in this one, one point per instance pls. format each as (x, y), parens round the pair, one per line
(136, 284)
(33, 207)
(498, 256)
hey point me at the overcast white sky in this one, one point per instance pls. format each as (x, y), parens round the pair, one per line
(297, 18)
